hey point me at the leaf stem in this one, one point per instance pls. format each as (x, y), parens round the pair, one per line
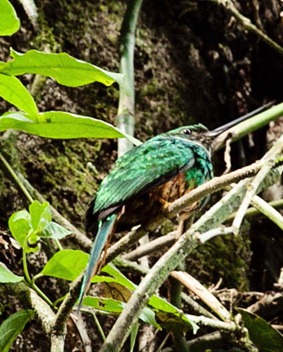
(16, 178)
(25, 267)
(31, 281)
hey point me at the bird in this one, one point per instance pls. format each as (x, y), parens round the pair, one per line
(146, 179)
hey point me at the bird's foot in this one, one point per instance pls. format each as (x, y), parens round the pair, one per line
(164, 203)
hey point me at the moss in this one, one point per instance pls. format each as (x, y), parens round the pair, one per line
(62, 170)
(224, 257)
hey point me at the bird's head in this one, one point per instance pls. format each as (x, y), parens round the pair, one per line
(196, 133)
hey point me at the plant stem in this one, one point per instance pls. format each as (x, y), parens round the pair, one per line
(25, 266)
(31, 281)
(125, 118)
(16, 178)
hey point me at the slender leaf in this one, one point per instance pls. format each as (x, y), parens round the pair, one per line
(66, 264)
(148, 316)
(60, 125)
(7, 276)
(9, 22)
(12, 327)
(134, 334)
(12, 90)
(115, 307)
(262, 334)
(62, 67)
(118, 276)
(109, 305)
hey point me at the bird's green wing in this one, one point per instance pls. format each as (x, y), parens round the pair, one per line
(144, 167)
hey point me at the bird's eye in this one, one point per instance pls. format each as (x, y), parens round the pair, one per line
(187, 131)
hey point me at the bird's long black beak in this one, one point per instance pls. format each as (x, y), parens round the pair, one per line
(217, 131)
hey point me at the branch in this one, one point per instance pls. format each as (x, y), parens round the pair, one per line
(168, 262)
(248, 25)
(270, 159)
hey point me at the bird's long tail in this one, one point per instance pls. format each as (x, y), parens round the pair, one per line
(105, 229)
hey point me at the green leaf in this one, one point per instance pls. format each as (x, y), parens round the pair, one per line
(161, 305)
(262, 334)
(134, 334)
(20, 226)
(60, 125)
(118, 276)
(148, 316)
(66, 264)
(7, 276)
(55, 231)
(114, 306)
(9, 22)
(12, 90)
(62, 67)
(40, 215)
(109, 305)
(12, 327)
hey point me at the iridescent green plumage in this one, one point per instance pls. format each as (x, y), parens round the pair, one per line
(139, 181)
(150, 165)
(146, 179)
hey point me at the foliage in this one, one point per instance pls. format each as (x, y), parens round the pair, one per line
(63, 68)
(12, 327)
(33, 226)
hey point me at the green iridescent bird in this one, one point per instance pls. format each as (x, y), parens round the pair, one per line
(146, 179)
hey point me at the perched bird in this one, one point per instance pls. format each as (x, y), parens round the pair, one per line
(146, 179)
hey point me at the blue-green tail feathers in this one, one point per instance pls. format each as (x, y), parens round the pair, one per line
(104, 230)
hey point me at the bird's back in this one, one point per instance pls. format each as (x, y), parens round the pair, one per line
(157, 167)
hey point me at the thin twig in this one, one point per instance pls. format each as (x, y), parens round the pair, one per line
(207, 297)
(248, 25)
(152, 246)
(269, 160)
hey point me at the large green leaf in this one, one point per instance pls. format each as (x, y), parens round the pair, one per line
(62, 67)
(60, 125)
(7, 276)
(66, 264)
(12, 327)
(12, 90)
(9, 22)
(262, 334)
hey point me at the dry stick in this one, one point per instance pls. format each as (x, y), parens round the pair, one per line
(247, 24)
(270, 159)
(178, 276)
(152, 246)
(207, 297)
